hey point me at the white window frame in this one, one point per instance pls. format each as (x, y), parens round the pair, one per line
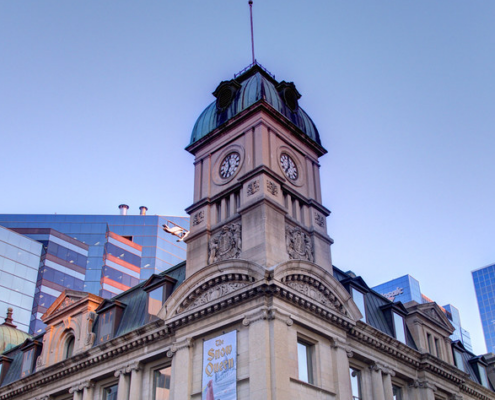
(306, 361)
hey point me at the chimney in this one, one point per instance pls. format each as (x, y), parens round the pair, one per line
(142, 210)
(123, 209)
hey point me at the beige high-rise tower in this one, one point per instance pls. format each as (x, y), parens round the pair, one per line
(257, 193)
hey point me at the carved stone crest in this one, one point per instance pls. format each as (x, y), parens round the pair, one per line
(67, 302)
(320, 221)
(253, 187)
(226, 244)
(198, 217)
(298, 244)
(272, 187)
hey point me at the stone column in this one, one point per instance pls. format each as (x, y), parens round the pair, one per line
(181, 369)
(377, 382)
(341, 369)
(123, 391)
(136, 380)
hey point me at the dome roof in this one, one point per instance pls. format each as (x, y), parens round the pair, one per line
(247, 89)
(9, 335)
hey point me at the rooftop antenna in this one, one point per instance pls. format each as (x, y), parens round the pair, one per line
(252, 32)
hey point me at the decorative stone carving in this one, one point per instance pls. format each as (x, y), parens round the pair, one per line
(198, 217)
(267, 313)
(215, 293)
(179, 345)
(226, 244)
(298, 244)
(315, 291)
(253, 187)
(90, 336)
(67, 302)
(320, 220)
(272, 187)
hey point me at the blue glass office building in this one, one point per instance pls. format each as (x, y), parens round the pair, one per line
(484, 286)
(406, 288)
(160, 250)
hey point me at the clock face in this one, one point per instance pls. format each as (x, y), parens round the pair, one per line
(229, 165)
(288, 166)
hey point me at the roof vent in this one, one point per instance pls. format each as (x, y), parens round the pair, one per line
(142, 210)
(123, 209)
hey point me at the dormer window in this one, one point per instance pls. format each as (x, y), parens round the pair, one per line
(31, 350)
(159, 289)
(225, 93)
(4, 366)
(483, 376)
(110, 314)
(459, 362)
(400, 331)
(358, 298)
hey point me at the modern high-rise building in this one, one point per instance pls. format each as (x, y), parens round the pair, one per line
(406, 289)
(62, 266)
(19, 264)
(100, 254)
(159, 249)
(484, 286)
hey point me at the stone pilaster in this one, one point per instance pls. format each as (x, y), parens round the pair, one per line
(88, 390)
(181, 369)
(387, 374)
(123, 391)
(377, 382)
(341, 369)
(136, 380)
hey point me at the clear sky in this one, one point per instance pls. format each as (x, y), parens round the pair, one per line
(98, 100)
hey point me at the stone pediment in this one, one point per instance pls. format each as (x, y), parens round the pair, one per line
(308, 280)
(67, 302)
(433, 313)
(211, 285)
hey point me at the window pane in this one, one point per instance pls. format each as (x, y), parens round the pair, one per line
(304, 362)
(358, 298)
(484, 379)
(110, 393)
(355, 383)
(161, 384)
(458, 360)
(400, 334)
(397, 391)
(155, 299)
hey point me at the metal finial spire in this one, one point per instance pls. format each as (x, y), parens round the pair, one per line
(252, 32)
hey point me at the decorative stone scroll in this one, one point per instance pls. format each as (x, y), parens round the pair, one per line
(272, 187)
(253, 187)
(198, 218)
(226, 244)
(298, 244)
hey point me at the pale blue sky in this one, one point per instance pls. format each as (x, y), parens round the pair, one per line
(98, 100)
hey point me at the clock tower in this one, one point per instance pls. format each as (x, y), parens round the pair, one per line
(257, 192)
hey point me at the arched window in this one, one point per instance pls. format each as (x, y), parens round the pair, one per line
(69, 346)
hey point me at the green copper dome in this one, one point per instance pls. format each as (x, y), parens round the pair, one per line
(9, 335)
(248, 88)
